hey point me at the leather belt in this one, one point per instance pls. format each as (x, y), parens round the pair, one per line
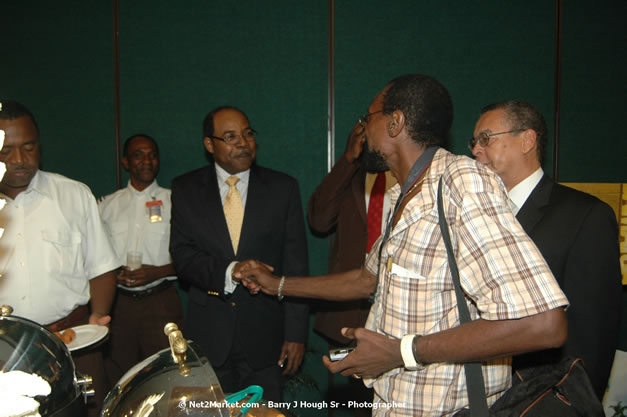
(139, 295)
(73, 319)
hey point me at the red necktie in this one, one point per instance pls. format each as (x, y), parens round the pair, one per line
(375, 209)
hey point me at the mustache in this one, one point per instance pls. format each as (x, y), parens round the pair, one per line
(243, 153)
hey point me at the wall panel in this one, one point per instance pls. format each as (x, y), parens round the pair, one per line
(57, 60)
(593, 148)
(481, 51)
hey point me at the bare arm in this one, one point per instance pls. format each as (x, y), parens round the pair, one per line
(476, 340)
(352, 285)
(101, 292)
(486, 339)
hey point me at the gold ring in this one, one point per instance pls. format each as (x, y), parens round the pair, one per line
(356, 376)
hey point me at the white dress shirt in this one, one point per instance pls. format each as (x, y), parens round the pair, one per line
(521, 191)
(53, 244)
(242, 188)
(128, 224)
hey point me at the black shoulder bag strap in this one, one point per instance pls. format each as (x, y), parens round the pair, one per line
(474, 377)
(416, 171)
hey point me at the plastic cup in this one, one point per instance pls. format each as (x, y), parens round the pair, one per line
(134, 260)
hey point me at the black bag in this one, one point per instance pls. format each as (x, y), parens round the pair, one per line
(562, 390)
(556, 390)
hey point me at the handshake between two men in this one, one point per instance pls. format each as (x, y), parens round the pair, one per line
(375, 353)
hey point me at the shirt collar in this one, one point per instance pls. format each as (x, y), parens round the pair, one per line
(223, 175)
(39, 183)
(523, 189)
(151, 189)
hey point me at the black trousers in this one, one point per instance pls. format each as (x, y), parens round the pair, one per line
(236, 374)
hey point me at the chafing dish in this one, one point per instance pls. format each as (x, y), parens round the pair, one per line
(179, 382)
(26, 346)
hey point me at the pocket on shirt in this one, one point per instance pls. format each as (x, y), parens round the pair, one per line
(406, 295)
(118, 232)
(62, 253)
(157, 240)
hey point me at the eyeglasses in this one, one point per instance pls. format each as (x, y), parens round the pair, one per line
(363, 120)
(247, 135)
(484, 138)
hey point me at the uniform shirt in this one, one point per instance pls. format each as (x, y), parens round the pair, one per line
(500, 268)
(53, 244)
(127, 220)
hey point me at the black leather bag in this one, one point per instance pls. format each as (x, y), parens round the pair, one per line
(562, 390)
(556, 390)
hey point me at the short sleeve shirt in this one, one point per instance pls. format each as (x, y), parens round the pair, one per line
(501, 271)
(53, 244)
(127, 218)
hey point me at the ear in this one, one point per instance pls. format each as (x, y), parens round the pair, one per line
(396, 123)
(125, 162)
(529, 141)
(208, 145)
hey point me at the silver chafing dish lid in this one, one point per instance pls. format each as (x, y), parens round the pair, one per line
(29, 347)
(174, 382)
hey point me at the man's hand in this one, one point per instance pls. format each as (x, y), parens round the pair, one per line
(294, 353)
(257, 276)
(354, 143)
(99, 319)
(241, 269)
(135, 277)
(374, 355)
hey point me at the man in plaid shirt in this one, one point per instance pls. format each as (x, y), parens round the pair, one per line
(413, 348)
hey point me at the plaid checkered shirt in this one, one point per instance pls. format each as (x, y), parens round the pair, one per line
(501, 271)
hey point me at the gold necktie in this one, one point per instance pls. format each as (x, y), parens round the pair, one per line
(233, 211)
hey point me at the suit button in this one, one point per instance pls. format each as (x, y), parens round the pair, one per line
(233, 304)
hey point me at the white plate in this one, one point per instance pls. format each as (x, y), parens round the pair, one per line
(87, 335)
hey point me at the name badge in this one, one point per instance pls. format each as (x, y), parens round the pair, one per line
(154, 211)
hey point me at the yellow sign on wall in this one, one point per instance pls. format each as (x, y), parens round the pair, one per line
(616, 196)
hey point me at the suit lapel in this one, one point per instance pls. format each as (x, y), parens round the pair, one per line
(358, 191)
(253, 215)
(532, 211)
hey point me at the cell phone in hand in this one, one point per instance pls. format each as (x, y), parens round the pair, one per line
(340, 353)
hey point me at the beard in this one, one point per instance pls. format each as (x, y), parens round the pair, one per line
(372, 161)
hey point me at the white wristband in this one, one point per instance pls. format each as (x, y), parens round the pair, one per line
(407, 352)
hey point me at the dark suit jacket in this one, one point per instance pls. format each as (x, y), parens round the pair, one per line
(338, 205)
(578, 236)
(273, 232)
